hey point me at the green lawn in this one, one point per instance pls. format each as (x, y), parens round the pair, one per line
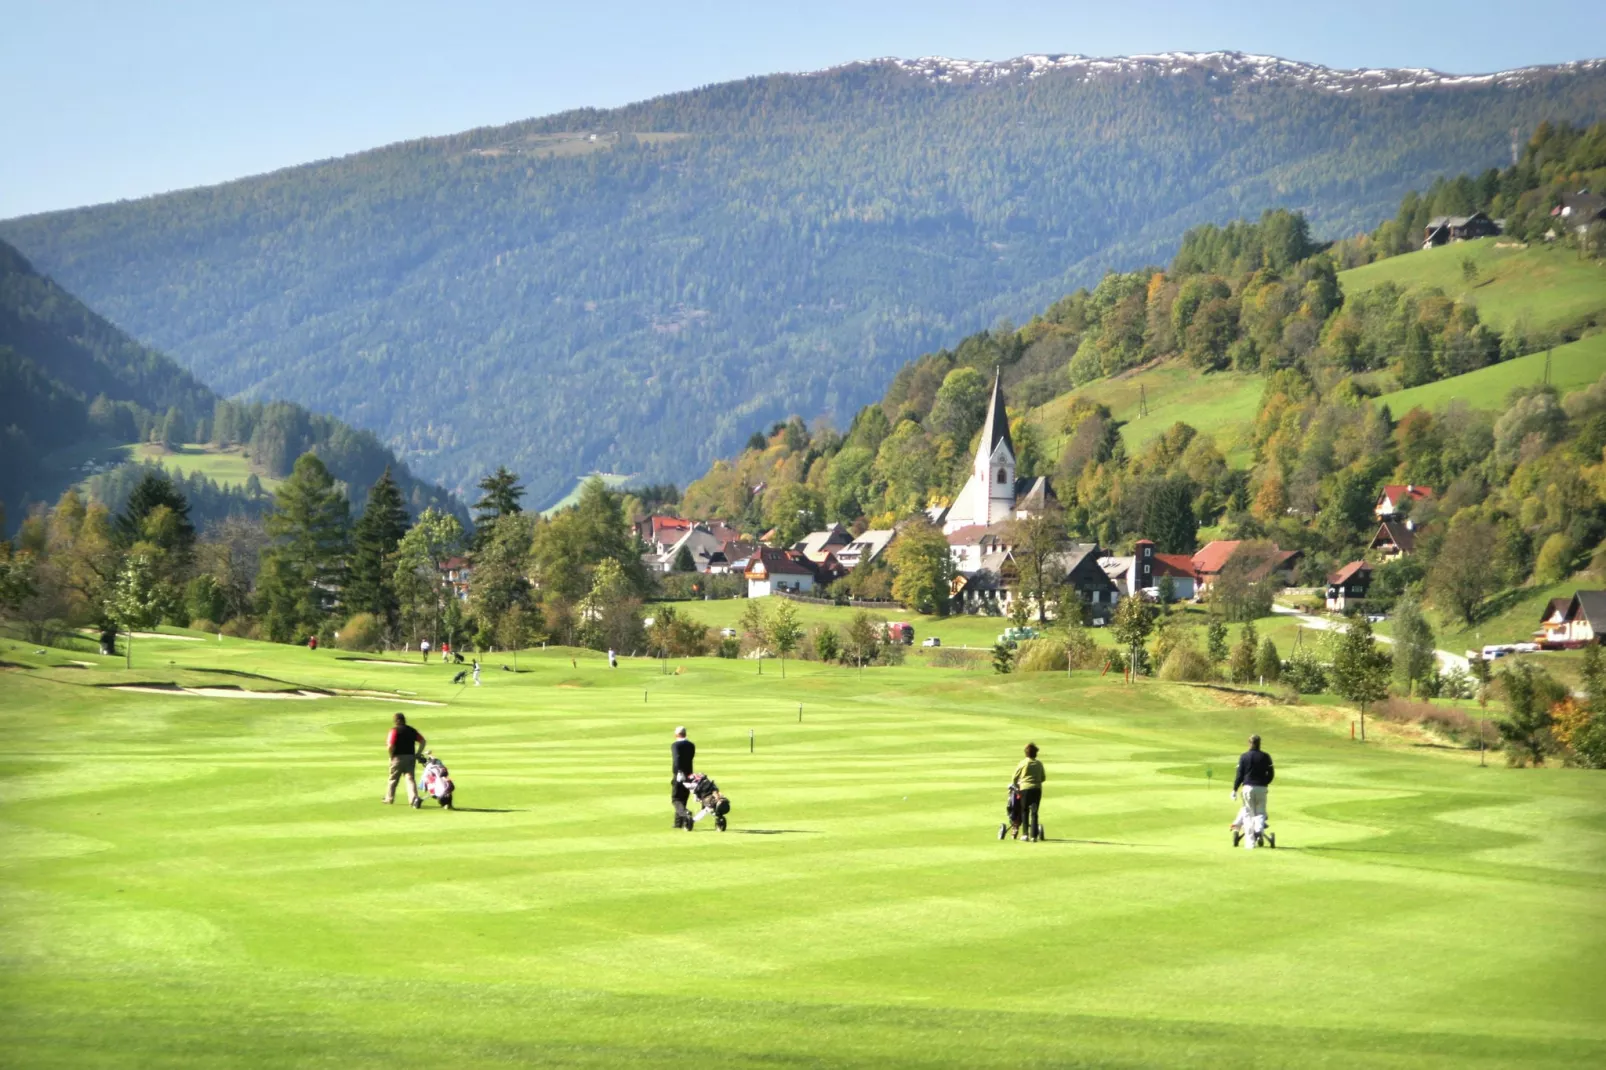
(1547, 287)
(1220, 404)
(225, 465)
(573, 496)
(1572, 366)
(210, 882)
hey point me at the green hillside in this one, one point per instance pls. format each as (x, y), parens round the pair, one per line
(1572, 366)
(224, 465)
(227, 890)
(721, 258)
(1539, 288)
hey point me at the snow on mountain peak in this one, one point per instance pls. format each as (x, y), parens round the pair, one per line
(944, 70)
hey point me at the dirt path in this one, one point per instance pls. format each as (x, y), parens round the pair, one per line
(1322, 624)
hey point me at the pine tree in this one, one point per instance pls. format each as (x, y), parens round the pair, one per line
(150, 493)
(683, 561)
(501, 498)
(384, 521)
(304, 571)
(1269, 666)
(1216, 641)
(1244, 655)
(1360, 669)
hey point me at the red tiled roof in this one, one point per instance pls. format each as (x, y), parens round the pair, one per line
(1345, 574)
(1175, 565)
(1393, 492)
(971, 534)
(780, 562)
(1213, 555)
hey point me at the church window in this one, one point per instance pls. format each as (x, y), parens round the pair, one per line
(1001, 478)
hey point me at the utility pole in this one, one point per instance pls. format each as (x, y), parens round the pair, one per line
(1143, 400)
(1547, 367)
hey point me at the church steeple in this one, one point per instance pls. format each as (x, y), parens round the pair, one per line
(994, 431)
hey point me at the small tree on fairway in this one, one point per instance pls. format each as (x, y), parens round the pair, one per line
(785, 631)
(1269, 667)
(1413, 645)
(513, 631)
(1003, 658)
(1216, 641)
(827, 645)
(756, 627)
(1530, 693)
(1479, 667)
(1134, 620)
(864, 637)
(136, 601)
(1242, 665)
(1360, 669)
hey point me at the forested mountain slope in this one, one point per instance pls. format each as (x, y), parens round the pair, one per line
(72, 385)
(633, 290)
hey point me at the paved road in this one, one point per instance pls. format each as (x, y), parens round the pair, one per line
(1446, 659)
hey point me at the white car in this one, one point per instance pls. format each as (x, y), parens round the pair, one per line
(932, 641)
(727, 633)
(1375, 618)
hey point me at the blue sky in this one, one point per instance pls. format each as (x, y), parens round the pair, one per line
(115, 99)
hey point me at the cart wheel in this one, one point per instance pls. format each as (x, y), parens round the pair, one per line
(1003, 830)
(720, 821)
(1271, 840)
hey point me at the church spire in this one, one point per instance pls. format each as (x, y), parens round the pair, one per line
(996, 429)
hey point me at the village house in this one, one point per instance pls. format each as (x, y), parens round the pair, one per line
(817, 544)
(1400, 497)
(1584, 621)
(1553, 627)
(865, 547)
(1444, 229)
(1078, 568)
(458, 572)
(1278, 565)
(993, 586)
(772, 571)
(1394, 538)
(732, 557)
(1144, 569)
(969, 545)
(1579, 210)
(993, 494)
(1348, 586)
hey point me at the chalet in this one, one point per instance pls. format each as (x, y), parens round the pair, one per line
(700, 543)
(1144, 570)
(865, 547)
(989, 588)
(771, 571)
(1278, 565)
(1348, 586)
(1553, 627)
(1395, 497)
(993, 493)
(1586, 618)
(1078, 568)
(457, 573)
(732, 557)
(816, 544)
(1394, 538)
(1441, 230)
(1579, 210)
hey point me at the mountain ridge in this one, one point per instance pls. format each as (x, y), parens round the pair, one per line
(636, 301)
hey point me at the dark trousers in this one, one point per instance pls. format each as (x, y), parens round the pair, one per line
(1030, 798)
(679, 794)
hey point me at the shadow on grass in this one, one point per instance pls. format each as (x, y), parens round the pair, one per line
(487, 810)
(775, 832)
(1095, 843)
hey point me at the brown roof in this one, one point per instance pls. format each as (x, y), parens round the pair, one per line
(972, 534)
(1556, 609)
(1348, 572)
(780, 562)
(1393, 533)
(1213, 555)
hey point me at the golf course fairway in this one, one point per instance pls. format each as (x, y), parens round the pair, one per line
(197, 880)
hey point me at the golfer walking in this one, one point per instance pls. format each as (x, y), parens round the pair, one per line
(1029, 777)
(403, 743)
(1254, 777)
(682, 752)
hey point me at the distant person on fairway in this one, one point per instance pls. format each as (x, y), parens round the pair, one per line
(403, 743)
(423, 648)
(1254, 777)
(1029, 777)
(682, 752)
(476, 672)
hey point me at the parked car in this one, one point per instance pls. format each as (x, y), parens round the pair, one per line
(932, 641)
(1375, 618)
(1011, 636)
(727, 633)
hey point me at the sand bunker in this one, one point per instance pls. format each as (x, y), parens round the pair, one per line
(219, 692)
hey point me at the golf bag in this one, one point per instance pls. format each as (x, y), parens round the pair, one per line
(711, 799)
(1014, 813)
(436, 783)
(1251, 828)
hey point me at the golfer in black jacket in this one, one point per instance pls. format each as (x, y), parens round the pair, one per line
(1254, 777)
(681, 754)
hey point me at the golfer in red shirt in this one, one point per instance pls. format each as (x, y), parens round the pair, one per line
(404, 743)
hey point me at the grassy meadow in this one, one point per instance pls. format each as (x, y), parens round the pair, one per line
(192, 879)
(1572, 367)
(224, 465)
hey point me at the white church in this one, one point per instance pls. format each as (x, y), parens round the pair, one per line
(992, 494)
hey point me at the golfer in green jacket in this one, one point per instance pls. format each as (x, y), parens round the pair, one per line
(1029, 777)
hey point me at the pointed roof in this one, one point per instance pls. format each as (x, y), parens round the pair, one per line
(996, 428)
